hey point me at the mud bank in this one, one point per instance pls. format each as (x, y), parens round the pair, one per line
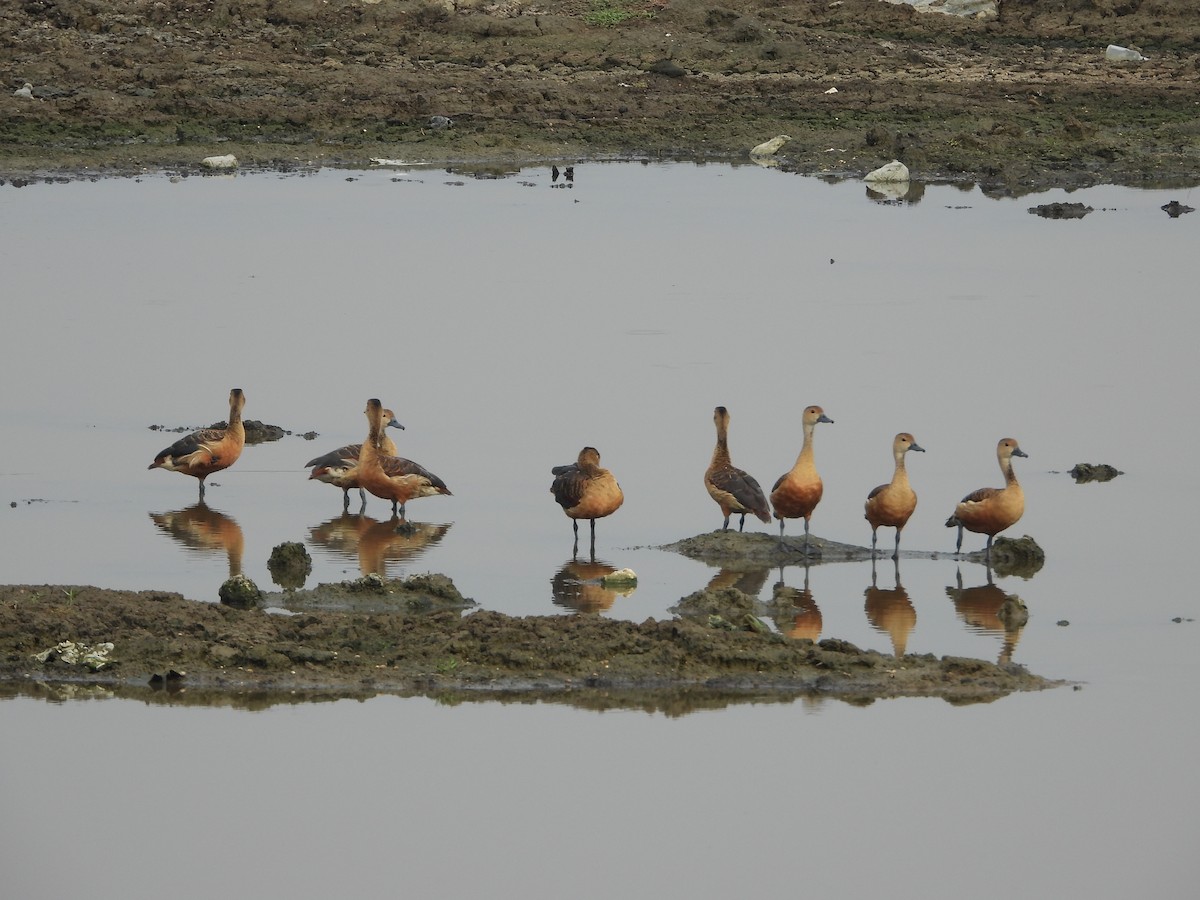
(1015, 102)
(164, 642)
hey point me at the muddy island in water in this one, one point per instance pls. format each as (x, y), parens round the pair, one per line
(411, 637)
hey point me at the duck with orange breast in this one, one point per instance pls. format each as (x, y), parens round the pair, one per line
(209, 450)
(340, 467)
(892, 504)
(991, 510)
(384, 475)
(586, 491)
(797, 492)
(734, 490)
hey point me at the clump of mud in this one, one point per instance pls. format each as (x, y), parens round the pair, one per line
(1085, 472)
(373, 593)
(717, 547)
(725, 608)
(240, 592)
(1017, 556)
(290, 565)
(1061, 210)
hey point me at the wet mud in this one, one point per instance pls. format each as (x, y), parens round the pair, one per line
(415, 640)
(1014, 102)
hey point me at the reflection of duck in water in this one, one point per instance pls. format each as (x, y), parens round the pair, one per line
(734, 490)
(892, 504)
(205, 530)
(340, 467)
(794, 611)
(209, 450)
(990, 510)
(586, 491)
(374, 543)
(578, 586)
(750, 581)
(988, 609)
(797, 492)
(891, 612)
(388, 476)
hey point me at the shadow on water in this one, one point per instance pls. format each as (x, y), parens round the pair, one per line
(794, 611)
(670, 702)
(374, 543)
(988, 609)
(202, 529)
(891, 612)
(579, 585)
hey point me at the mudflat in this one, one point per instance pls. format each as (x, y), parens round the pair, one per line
(1021, 99)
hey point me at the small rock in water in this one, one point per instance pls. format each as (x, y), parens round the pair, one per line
(1061, 210)
(229, 161)
(1175, 209)
(1084, 472)
(894, 171)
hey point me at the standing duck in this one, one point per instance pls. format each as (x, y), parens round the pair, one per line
(340, 467)
(892, 504)
(991, 510)
(385, 475)
(797, 493)
(209, 450)
(734, 490)
(586, 491)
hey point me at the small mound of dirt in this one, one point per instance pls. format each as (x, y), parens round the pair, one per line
(1085, 472)
(290, 565)
(1061, 210)
(1017, 556)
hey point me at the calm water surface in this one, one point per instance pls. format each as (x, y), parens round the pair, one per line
(509, 323)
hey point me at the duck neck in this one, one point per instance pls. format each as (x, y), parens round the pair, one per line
(900, 476)
(1010, 475)
(721, 451)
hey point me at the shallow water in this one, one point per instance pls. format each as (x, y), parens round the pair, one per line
(508, 323)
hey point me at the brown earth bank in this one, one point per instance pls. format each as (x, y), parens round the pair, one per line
(1017, 101)
(716, 652)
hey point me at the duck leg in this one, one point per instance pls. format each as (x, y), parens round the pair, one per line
(742, 523)
(725, 526)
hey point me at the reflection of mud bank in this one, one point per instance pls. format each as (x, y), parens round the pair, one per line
(1010, 556)
(446, 654)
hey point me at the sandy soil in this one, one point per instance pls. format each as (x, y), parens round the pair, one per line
(1020, 100)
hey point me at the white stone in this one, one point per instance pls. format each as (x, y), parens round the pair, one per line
(767, 148)
(892, 172)
(229, 161)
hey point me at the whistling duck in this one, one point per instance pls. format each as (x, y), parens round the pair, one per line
(892, 504)
(384, 475)
(990, 510)
(797, 493)
(734, 490)
(210, 450)
(586, 491)
(340, 467)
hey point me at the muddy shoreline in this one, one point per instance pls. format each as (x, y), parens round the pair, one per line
(420, 636)
(1016, 102)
